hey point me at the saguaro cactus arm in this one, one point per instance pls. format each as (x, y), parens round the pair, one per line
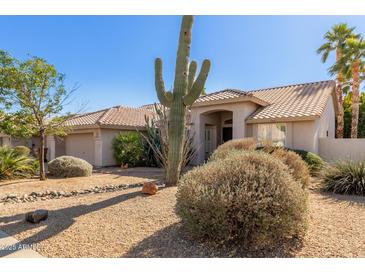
(192, 71)
(198, 85)
(164, 97)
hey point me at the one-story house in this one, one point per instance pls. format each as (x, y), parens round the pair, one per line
(295, 116)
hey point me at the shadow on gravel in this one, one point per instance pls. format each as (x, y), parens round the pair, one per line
(173, 242)
(345, 199)
(58, 220)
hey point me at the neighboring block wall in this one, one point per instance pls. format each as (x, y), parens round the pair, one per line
(331, 149)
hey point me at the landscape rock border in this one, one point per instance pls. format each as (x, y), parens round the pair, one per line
(51, 194)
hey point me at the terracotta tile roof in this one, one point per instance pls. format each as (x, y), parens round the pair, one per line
(118, 116)
(302, 101)
(221, 95)
(228, 96)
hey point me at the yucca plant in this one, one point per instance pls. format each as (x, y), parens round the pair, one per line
(345, 177)
(14, 165)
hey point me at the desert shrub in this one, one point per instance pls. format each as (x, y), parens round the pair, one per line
(345, 177)
(22, 150)
(238, 144)
(15, 165)
(128, 148)
(156, 141)
(249, 198)
(68, 166)
(314, 162)
(297, 167)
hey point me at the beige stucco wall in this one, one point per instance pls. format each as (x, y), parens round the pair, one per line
(332, 149)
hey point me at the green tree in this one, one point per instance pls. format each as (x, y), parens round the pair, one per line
(347, 104)
(33, 95)
(186, 91)
(353, 61)
(335, 40)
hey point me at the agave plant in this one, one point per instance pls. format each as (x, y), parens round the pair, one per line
(14, 165)
(345, 177)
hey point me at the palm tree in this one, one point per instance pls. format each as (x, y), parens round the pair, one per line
(353, 65)
(336, 41)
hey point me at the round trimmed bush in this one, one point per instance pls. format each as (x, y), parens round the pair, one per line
(297, 167)
(249, 198)
(22, 150)
(68, 166)
(238, 144)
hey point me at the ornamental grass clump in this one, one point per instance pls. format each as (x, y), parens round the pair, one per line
(68, 166)
(248, 198)
(345, 177)
(238, 144)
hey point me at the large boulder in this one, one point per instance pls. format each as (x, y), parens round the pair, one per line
(150, 188)
(36, 216)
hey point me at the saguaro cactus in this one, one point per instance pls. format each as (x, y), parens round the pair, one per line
(186, 91)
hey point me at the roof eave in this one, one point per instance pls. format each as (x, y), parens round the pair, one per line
(282, 119)
(246, 98)
(103, 126)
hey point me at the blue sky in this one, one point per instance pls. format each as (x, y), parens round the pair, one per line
(112, 57)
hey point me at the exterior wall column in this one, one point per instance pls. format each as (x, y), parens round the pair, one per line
(239, 123)
(198, 140)
(51, 145)
(98, 149)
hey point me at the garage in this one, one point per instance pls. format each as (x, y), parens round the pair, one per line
(80, 145)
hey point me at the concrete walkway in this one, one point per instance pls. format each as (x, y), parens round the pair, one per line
(9, 248)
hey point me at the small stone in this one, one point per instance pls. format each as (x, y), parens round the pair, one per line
(149, 188)
(61, 193)
(11, 196)
(36, 216)
(54, 193)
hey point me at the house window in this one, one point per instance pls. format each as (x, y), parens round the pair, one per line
(276, 133)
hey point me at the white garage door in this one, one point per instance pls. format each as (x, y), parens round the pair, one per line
(81, 146)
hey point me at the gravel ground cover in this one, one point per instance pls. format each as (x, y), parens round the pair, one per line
(129, 224)
(100, 177)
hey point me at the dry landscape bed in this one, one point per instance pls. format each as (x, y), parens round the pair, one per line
(100, 177)
(129, 224)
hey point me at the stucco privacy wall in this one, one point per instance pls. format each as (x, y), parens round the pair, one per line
(332, 149)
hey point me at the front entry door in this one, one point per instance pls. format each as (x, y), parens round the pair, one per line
(208, 142)
(227, 134)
